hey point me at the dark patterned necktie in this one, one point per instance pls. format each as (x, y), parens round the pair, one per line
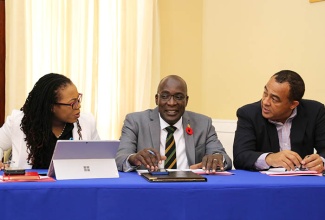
(170, 150)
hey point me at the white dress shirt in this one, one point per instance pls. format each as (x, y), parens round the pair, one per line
(181, 158)
(283, 130)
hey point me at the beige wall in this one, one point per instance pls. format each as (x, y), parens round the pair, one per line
(227, 50)
(181, 44)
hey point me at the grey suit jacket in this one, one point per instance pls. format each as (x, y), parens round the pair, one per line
(142, 130)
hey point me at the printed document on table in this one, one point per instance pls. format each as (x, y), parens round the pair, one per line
(282, 172)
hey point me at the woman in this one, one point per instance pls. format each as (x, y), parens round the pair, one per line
(51, 112)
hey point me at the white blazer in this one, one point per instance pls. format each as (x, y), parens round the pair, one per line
(12, 136)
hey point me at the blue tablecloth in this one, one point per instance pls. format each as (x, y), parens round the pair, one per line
(245, 195)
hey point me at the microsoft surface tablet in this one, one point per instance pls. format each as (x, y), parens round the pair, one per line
(74, 159)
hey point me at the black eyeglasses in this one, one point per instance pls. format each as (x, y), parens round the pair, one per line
(167, 96)
(74, 105)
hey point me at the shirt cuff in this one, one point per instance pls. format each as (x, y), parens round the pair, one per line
(261, 164)
(127, 167)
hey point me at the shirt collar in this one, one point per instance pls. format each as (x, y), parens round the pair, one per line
(293, 114)
(164, 124)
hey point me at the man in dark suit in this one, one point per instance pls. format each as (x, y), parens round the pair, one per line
(144, 134)
(281, 130)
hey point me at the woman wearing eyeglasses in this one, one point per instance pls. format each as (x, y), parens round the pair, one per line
(51, 112)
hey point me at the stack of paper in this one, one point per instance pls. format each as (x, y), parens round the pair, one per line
(283, 172)
(27, 177)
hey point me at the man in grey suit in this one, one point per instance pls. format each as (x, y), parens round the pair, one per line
(144, 134)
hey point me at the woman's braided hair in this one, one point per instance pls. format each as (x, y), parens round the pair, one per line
(37, 120)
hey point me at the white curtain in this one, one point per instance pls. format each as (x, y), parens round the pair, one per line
(109, 49)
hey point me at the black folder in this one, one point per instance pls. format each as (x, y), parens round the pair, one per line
(175, 176)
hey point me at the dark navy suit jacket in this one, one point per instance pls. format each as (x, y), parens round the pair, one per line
(255, 135)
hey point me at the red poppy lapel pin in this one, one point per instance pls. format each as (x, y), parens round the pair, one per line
(189, 130)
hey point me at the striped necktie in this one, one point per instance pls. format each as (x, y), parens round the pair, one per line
(170, 150)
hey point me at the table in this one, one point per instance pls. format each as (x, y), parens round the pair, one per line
(245, 195)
